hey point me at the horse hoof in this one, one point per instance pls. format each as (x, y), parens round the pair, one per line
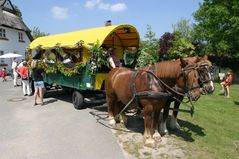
(149, 142)
(174, 123)
(175, 126)
(157, 137)
(123, 120)
(112, 122)
(164, 132)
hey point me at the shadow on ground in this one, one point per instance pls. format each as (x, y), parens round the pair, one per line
(236, 102)
(134, 124)
(187, 130)
(57, 95)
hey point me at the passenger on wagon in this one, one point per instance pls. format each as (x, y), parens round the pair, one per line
(227, 83)
(66, 58)
(113, 58)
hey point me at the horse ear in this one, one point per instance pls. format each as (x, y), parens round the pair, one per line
(184, 62)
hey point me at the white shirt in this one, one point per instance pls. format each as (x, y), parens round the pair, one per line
(14, 66)
(67, 60)
(20, 65)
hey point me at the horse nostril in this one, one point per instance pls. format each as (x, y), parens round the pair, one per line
(211, 90)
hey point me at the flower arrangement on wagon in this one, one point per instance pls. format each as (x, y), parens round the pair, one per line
(70, 71)
(60, 67)
(97, 60)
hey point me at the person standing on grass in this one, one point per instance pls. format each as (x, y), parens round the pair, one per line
(24, 73)
(37, 75)
(227, 83)
(4, 74)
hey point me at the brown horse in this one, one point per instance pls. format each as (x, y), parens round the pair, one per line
(122, 83)
(206, 84)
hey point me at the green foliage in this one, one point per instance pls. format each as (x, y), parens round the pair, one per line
(184, 27)
(98, 58)
(217, 27)
(145, 58)
(182, 45)
(148, 53)
(36, 33)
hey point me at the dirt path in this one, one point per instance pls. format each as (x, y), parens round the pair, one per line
(131, 141)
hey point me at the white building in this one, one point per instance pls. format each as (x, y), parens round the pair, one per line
(14, 34)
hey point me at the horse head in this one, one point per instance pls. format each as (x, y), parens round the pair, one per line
(189, 79)
(204, 68)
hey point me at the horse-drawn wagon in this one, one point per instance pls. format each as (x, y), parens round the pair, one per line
(77, 61)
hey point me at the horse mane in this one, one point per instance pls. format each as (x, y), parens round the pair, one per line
(167, 69)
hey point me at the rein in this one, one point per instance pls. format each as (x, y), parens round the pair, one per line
(180, 91)
(169, 92)
(172, 93)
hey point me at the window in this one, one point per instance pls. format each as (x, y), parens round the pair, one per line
(1, 53)
(2, 33)
(20, 36)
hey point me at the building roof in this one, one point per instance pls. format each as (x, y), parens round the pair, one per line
(2, 2)
(11, 20)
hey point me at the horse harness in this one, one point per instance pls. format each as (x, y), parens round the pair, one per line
(187, 90)
(167, 92)
(144, 94)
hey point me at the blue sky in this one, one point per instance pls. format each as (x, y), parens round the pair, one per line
(54, 16)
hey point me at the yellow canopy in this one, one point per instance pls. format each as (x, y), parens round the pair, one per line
(118, 35)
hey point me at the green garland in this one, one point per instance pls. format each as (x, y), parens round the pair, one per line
(70, 71)
(59, 67)
(47, 68)
(97, 59)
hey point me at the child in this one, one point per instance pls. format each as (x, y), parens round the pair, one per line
(4, 74)
(227, 83)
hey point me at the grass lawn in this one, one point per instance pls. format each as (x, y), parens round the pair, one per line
(213, 131)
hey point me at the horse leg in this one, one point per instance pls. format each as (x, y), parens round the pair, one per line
(156, 134)
(163, 127)
(147, 125)
(173, 122)
(111, 103)
(121, 117)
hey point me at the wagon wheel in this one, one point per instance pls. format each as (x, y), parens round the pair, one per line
(77, 100)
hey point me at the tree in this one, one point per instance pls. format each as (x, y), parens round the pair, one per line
(165, 44)
(148, 53)
(181, 47)
(217, 27)
(184, 27)
(182, 43)
(37, 33)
